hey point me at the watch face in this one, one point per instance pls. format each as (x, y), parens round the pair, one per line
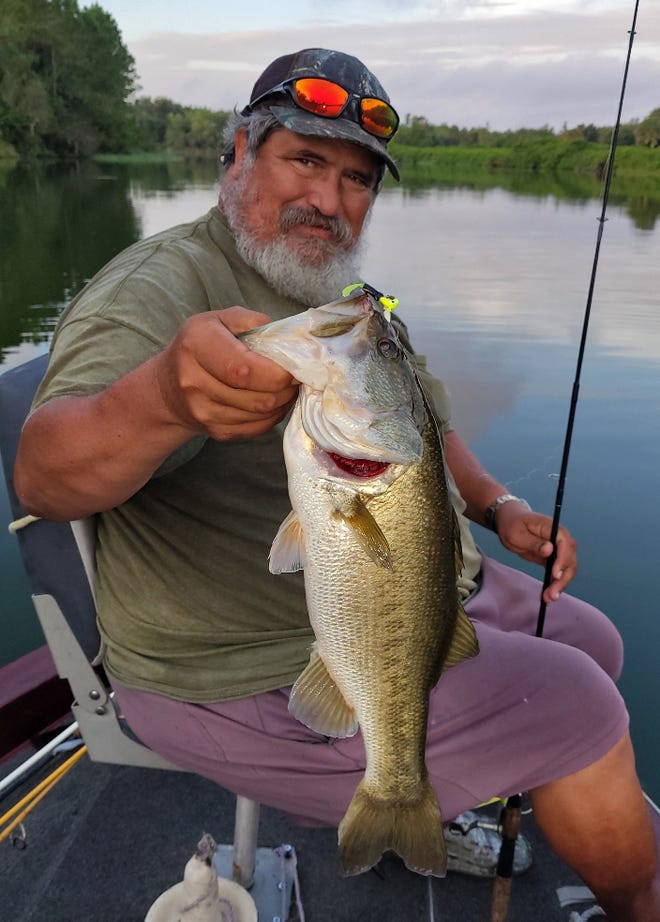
(506, 498)
(489, 517)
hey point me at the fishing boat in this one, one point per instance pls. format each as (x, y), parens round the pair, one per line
(107, 840)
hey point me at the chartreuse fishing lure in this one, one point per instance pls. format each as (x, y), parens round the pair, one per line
(389, 302)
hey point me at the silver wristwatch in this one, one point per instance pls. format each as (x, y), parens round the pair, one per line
(489, 517)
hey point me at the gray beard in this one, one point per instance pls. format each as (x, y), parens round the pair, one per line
(291, 275)
(311, 273)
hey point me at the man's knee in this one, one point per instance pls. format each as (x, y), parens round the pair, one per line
(578, 624)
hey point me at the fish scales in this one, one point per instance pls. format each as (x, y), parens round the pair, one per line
(383, 633)
(379, 556)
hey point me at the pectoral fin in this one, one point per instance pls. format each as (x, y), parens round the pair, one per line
(287, 552)
(367, 532)
(316, 701)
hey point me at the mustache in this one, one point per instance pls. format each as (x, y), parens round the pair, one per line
(294, 215)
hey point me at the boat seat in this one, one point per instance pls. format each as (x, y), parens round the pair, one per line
(59, 562)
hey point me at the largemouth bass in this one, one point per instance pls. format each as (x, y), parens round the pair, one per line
(373, 528)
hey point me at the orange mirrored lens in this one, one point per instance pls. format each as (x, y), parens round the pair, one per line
(378, 117)
(320, 96)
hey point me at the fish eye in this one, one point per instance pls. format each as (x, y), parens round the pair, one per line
(388, 348)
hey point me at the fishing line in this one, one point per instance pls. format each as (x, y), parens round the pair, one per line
(583, 340)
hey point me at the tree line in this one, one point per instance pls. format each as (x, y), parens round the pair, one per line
(417, 131)
(65, 78)
(68, 88)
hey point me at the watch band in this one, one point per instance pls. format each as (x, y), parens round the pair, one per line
(489, 515)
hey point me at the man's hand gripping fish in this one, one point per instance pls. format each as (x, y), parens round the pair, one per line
(374, 530)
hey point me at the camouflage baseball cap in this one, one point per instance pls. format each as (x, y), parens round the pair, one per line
(274, 90)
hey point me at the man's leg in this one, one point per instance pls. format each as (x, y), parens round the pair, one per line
(509, 600)
(598, 822)
(594, 816)
(502, 722)
(541, 705)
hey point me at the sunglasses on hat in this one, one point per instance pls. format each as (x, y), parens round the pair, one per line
(328, 99)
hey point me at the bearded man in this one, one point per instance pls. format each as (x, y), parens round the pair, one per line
(154, 416)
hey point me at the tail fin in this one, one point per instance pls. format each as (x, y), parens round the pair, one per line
(413, 831)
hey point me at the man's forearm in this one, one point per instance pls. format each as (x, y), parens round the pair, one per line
(477, 487)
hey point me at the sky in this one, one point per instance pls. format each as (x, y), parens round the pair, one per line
(504, 64)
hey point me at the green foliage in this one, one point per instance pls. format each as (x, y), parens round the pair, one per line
(417, 131)
(165, 126)
(464, 160)
(195, 133)
(436, 153)
(65, 76)
(8, 154)
(551, 157)
(648, 130)
(149, 119)
(555, 155)
(637, 161)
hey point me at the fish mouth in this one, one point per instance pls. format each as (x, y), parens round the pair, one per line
(359, 467)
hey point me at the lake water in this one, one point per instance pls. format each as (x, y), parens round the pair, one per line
(492, 282)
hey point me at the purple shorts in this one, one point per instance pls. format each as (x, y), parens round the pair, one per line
(524, 712)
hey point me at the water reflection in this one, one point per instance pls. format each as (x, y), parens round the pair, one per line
(640, 196)
(56, 228)
(517, 269)
(59, 226)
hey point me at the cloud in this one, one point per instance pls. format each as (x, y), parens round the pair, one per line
(506, 71)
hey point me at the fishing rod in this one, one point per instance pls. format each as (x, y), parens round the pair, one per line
(510, 820)
(583, 340)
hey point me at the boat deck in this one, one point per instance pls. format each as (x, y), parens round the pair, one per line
(108, 840)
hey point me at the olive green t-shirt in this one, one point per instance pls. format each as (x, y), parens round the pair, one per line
(186, 603)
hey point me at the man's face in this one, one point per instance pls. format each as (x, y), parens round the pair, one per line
(297, 211)
(331, 181)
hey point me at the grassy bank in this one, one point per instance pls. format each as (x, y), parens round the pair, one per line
(543, 157)
(140, 157)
